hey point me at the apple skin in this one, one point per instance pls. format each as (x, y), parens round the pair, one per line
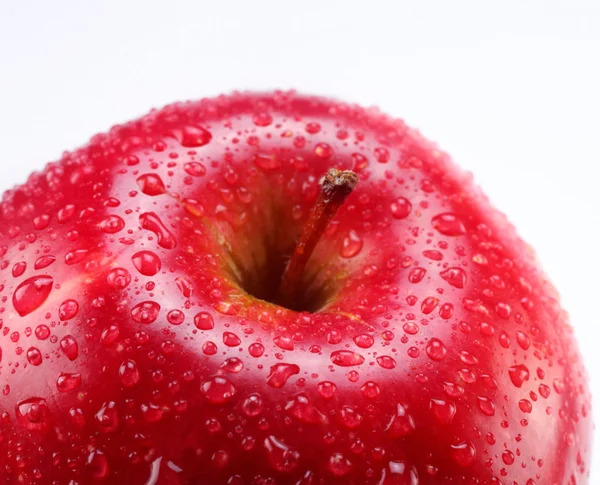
(435, 352)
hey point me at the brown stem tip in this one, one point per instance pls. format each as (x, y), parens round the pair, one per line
(336, 186)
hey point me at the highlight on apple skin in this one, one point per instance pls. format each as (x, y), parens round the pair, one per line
(184, 302)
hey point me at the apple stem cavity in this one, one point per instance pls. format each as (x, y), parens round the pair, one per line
(336, 186)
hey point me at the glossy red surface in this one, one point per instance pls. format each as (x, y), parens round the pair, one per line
(435, 351)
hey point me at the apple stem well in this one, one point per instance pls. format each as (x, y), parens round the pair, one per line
(336, 186)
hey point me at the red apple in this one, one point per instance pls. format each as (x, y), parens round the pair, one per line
(165, 319)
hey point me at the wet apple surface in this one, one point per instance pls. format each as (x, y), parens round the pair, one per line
(145, 338)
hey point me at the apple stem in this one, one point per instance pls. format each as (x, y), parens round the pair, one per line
(336, 186)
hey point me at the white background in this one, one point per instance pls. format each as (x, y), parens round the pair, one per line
(511, 89)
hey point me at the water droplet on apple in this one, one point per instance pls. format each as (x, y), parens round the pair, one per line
(32, 293)
(351, 245)
(453, 390)
(262, 119)
(146, 262)
(231, 339)
(110, 335)
(518, 374)
(44, 261)
(334, 337)
(33, 414)
(503, 310)
(151, 184)
(233, 365)
(118, 278)
(448, 224)
(544, 391)
(284, 342)
(175, 317)
(401, 423)
(359, 162)
(67, 382)
(504, 339)
(433, 254)
(413, 352)
(66, 213)
(467, 376)
(220, 459)
(209, 348)
(382, 155)
(525, 406)
(429, 304)
(411, 328)
(435, 349)
(75, 256)
(312, 127)
(467, 358)
(193, 207)
(112, 202)
(42, 332)
(152, 413)
(523, 340)
(69, 346)
(193, 136)
(401, 208)
(346, 358)
(370, 390)
(327, 389)
(67, 310)
(256, 349)
(443, 411)
(107, 418)
(415, 275)
(153, 223)
(266, 161)
(308, 478)
(386, 362)
(19, 268)
(185, 286)
(508, 457)
(364, 341)
(281, 457)
(280, 373)
(41, 222)
(204, 321)
(253, 405)
(486, 405)
(305, 411)
(97, 463)
(86, 213)
(195, 169)
(350, 417)
(218, 390)
(226, 307)
(145, 312)
(446, 311)
(558, 385)
(112, 224)
(339, 465)
(34, 356)
(463, 453)
(457, 277)
(129, 373)
(323, 150)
